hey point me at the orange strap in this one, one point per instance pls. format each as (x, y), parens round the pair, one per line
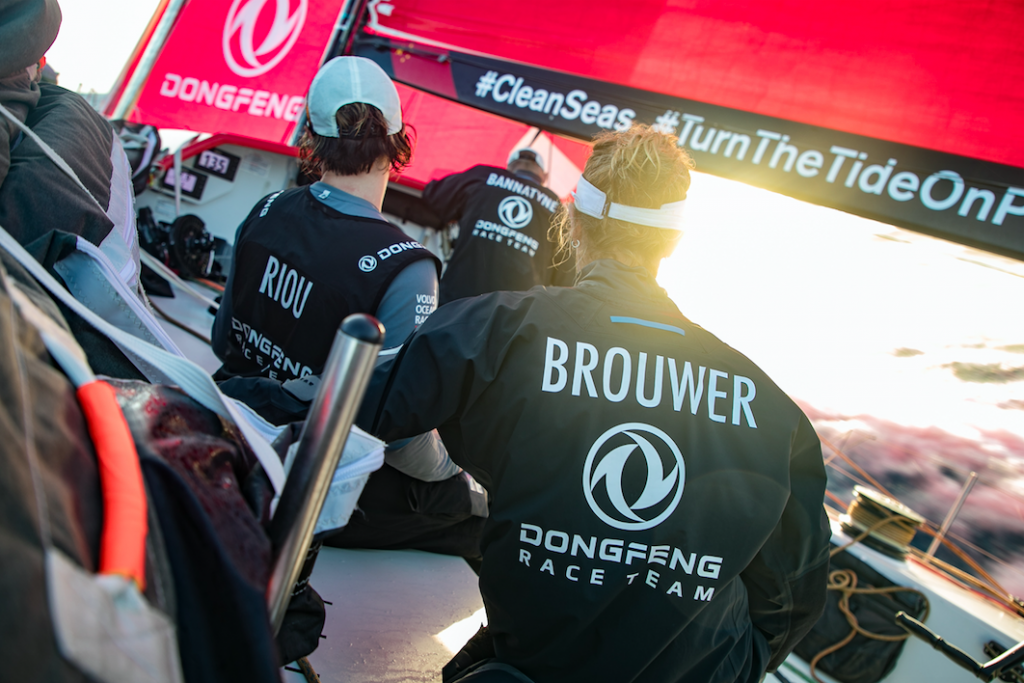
(123, 543)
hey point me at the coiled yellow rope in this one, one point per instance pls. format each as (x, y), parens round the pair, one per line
(845, 582)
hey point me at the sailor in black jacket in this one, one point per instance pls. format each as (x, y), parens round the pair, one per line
(656, 500)
(504, 216)
(307, 257)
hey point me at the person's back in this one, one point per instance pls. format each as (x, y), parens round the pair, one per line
(301, 265)
(307, 257)
(503, 216)
(625, 523)
(656, 500)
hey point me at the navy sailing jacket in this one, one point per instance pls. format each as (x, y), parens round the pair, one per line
(300, 267)
(503, 232)
(656, 500)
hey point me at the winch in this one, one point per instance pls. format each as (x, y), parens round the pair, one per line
(887, 525)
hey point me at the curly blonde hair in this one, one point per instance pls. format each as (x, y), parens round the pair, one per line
(638, 167)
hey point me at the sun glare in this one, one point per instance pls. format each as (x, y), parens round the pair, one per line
(458, 634)
(850, 314)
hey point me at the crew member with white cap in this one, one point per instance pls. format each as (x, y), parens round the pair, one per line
(503, 215)
(307, 257)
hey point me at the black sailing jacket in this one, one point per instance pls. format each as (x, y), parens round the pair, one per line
(656, 500)
(503, 232)
(299, 268)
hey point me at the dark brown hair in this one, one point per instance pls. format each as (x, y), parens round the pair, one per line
(638, 167)
(364, 142)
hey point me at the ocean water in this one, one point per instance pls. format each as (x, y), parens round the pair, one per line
(906, 351)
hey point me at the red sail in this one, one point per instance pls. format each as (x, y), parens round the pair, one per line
(939, 75)
(238, 65)
(450, 137)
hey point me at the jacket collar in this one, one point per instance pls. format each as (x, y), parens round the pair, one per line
(614, 282)
(608, 276)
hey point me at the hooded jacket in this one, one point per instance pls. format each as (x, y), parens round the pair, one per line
(656, 500)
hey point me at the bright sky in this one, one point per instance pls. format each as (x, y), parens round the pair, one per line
(822, 300)
(95, 41)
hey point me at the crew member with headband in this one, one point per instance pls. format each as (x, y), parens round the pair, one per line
(656, 500)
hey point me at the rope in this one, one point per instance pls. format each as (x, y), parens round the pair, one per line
(845, 582)
(307, 670)
(177, 323)
(860, 470)
(992, 589)
(891, 526)
(898, 520)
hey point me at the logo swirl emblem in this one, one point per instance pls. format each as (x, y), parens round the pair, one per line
(255, 40)
(515, 212)
(367, 263)
(620, 461)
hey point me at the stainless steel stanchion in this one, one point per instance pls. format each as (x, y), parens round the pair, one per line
(323, 437)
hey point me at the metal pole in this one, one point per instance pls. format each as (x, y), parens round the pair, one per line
(152, 51)
(348, 35)
(966, 491)
(323, 437)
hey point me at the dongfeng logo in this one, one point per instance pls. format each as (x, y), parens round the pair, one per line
(612, 477)
(515, 212)
(255, 41)
(367, 263)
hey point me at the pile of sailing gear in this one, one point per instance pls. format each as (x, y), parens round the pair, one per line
(206, 557)
(154, 567)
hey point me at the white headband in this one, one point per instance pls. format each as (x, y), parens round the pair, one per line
(594, 202)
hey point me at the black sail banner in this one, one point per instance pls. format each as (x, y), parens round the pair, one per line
(971, 201)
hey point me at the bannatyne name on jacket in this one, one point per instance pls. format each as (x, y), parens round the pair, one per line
(613, 560)
(621, 373)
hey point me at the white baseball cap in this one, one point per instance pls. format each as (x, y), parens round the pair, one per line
(530, 155)
(346, 80)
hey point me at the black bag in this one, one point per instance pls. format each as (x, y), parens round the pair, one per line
(36, 398)
(862, 660)
(208, 556)
(211, 499)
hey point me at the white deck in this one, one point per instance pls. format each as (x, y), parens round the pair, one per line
(398, 615)
(194, 313)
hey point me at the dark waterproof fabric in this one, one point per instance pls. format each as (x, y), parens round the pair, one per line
(304, 620)
(18, 94)
(197, 471)
(72, 495)
(31, 387)
(398, 511)
(37, 199)
(863, 660)
(27, 29)
(656, 500)
(267, 397)
(299, 269)
(45, 211)
(503, 232)
(477, 649)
